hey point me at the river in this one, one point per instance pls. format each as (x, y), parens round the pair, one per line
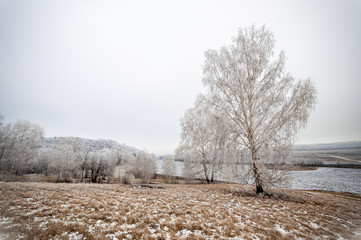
(328, 179)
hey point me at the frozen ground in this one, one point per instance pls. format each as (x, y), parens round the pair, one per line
(111, 211)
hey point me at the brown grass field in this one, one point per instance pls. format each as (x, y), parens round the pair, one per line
(182, 211)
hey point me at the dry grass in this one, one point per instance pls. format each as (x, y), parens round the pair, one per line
(111, 211)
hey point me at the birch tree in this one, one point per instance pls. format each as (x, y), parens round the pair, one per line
(261, 101)
(145, 166)
(125, 167)
(67, 156)
(203, 139)
(19, 144)
(169, 167)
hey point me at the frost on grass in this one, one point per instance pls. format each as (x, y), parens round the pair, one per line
(86, 211)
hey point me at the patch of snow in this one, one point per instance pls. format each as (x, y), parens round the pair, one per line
(281, 230)
(5, 220)
(111, 236)
(343, 158)
(31, 212)
(75, 236)
(91, 229)
(43, 224)
(4, 236)
(129, 226)
(314, 225)
(37, 219)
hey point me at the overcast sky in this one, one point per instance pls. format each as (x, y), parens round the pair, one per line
(127, 70)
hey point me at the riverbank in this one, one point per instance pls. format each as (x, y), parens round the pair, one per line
(181, 211)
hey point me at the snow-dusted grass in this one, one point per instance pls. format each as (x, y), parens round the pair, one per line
(111, 211)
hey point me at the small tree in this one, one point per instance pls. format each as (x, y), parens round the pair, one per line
(125, 167)
(203, 139)
(19, 145)
(190, 169)
(169, 167)
(102, 163)
(67, 157)
(262, 103)
(144, 166)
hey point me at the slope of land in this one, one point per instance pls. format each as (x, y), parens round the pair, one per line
(329, 146)
(91, 144)
(111, 211)
(335, 158)
(343, 154)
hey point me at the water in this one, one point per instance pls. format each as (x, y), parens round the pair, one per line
(328, 179)
(179, 166)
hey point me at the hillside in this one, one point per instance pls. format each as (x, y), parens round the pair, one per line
(92, 144)
(329, 146)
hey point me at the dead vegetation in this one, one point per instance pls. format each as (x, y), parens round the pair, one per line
(222, 211)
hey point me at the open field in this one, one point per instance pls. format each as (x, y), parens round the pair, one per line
(221, 211)
(341, 155)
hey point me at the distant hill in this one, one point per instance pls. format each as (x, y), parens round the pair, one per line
(329, 146)
(92, 144)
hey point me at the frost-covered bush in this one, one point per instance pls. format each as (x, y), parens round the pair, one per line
(144, 166)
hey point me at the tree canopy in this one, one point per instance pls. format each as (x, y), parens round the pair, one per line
(260, 102)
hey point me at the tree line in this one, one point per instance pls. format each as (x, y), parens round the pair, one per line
(25, 150)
